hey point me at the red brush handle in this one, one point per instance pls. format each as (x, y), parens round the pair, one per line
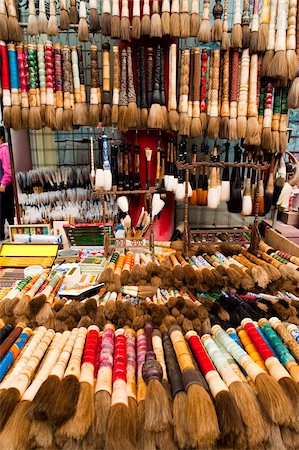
(98, 355)
(200, 355)
(5, 80)
(91, 343)
(203, 81)
(21, 65)
(49, 65)
(120, 359)
(258, 341)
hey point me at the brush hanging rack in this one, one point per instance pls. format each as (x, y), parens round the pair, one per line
(188, 167)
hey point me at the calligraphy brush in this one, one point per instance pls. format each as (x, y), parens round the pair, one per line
(236, 36)
(32, 26)
(185, 19)
(196, 129)
(204, 33)
(165, 18)
(195, 18)
(136, 22)
(123, 99)
(125, 28)
(94, 18)
(146, 20)
(225, 183)
(106, 18)
(184, 126)
(156, 117)
(106, 109)
(131, 113)
(175, 19)
(269, 53)
(42, 18)
(64, 16)
(173, 117)
(52, 24)
(245, 24)
(217, 28)
(225, 40)
(74, 16)
(263, 32)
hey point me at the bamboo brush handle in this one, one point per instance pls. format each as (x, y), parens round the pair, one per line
(244, 79)
(255, 16)
(172, 77)
(22, 381)
(74, 364)
(265, 13)
(282, 12)
(49, 361)
(131, 89)
(237, 12)
(272, 25)
(184, 81)
(106, 71)
(252, 103)
(215, 84)
(123, 100)
(203, 81)
(59, 368)
(225, 85)
(291, 30)
(116, 75)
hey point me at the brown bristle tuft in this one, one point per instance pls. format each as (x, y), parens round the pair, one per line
(106, 24)
(65, 401)
(8, 401)
(136, 27)
(232, 431)
(118, 429)
(14, 436)
(165, 23)
(194, 24)
(145, 25)
(175, 25)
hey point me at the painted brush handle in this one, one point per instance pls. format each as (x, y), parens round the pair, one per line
(14, 351)
(123, 100)
(11, 338)
(203, 81)
(5, 332)
(49, 67)
(58, 75)
(156, 98)
(5, 79)
(59, 367)
(141, 352)
(119, 392)
(131, 363)
(142, 79)
(173, 368)
(116, 75)
(23, 84)
(162, 85)
(225, 86)
(149, 76)
(89, 355)
(131, 88)
(250, 348)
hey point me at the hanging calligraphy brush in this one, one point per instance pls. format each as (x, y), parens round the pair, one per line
(42, 92)
(106, 165)
(173, 117)
(14, 30)
(162, 93)
(293, 96)
(184, 127)
(185, 19)
(283, 122)
(121, 167)
(42, 18)
(195, 79)
(132, 114)
(224, 112)
(94, 18)
(34, 112)
(233, 133)
(94, 108)
(146, 20)
(50, 113)
(74, 16)
(268, 56)
(52, 24)
(267, 123)
(175, 19)
(270, 186)
(236, 36)
(225, 39)
(106, 109)
(235, 203)
(279, 64)
(213, 198)
(106, 18)
(291, 40)
(254, 37)
(156, 26)
(32, 26)
(276, 120)
(245, 23)
(165, 18)
(58, 86)
(247, 197)
(214, 120)
(115, 21)
(16, 122)
(193, 198)
(136, 23)
(155, 117)
(125, 28)
(263, 32)
(190, 91)
(123, 99)
(253, 136)
(204, 33)
(68, 89)
(225, 183)
(217, 28)
(195, 18)
(64, 16)
(144, 110)
(4, 20)
(83, 116)
(83, 32)
(203, 89)
(116, 85)
(180, 187)
(23, 84)
(99, 180)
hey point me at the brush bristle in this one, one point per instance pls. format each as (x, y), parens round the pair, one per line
(52, 26)
(263, 36)
(156, 26)
(50, 117)
(35, 122)
(254, 37)
(65, 401)
(3, 27)
(74, 15)
(115, 27)
(64, 20)
(293, 95)
(245, 36)
(118, 428)
(253, 136)
(106, 115)
(195, 24)
(213, 128)
(196, 128)
(136, 27)
(185, 123)
(173, 120)
(224, 128)
(266, 63)
(59, 119)
(225, 41)
(39, 405)
(32, 27)
(144, 117)
(94, 21)
(155, 117)
(8, 401)
(67, 120)
(14, 436)
(15, 118)
(122, 113)
(125, 29)
(232, 431)
(42, 23)
(165, 23)
(217, 30)
(175, 25)
(80, 114)
(83, 32)
(279, 67)
(131, 115)
(145, 25)
(106, 24)
(236, 36)
(94, 115)
(292, 64)
(204, 33)
(157, 409)
(114, 114)
(267, 138)
(185, 24)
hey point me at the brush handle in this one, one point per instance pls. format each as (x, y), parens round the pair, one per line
(13, 353)
(173, 368)
(265, 12)
(272, 25)
(196, 83)
(116, 75)
(286, 336)
(155, 7)
(203, 81)
(119, 392)
(49, 361)
(33, 75)
(234, 79)
(114, 165)
(250, 348)
(48, 69)
(106, 72)
(131, 363)
(36, 285)
(74, 365)
(281, 25)
(237, 12)
(58, 75)
(14, 74)
(89, 355)
(149, 76)
(162, 85)
(215, 83)
(276, 111)
(81, 73)
(225, 85)
(137, 166)
(244, 80)
(142, 79)
(245, 20)
(158, 349)
(291, 29)
(141, 352)
(67, 78)
(190, 88)
(172, 77)
(255, 16)
(156, 97)
(94, 67)
(23, 84)
(11, 338)
(121, 167)
(131, 89)
(123, 100)
(184, 81)
(252, 101)
(104, 378)
(146, 8)
(268, 106)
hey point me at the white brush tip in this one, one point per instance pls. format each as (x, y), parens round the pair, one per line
(99, 179)
(180, 192)
(123, 203)
(284, 197)
(213, 198)
(174, 183)
(107, 180)
(158, 205)
(225, 191)
(246, 205)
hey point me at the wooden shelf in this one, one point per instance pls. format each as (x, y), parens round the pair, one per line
(222, 164)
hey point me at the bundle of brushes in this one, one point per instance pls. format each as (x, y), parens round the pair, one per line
(166, 383)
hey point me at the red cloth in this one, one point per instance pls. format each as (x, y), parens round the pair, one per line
(6, 168)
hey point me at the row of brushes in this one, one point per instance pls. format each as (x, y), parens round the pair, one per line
(227, 95)
(122, 389)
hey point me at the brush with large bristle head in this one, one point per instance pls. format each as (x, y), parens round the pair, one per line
(115, 20)
(146, 19)
(233, 96)
(217, 28)
(175, 30)
(254, 36)
(64, 16)
(106, 18)
(204, 33)
(236, 36)
(116, 85)
(156, 117)
(83, 32)
(52, 24)
(156, 26)
(125, 27)
(184, 125)
(165, 18)
(185, 19)
(32, 26)
(136, 22)
(131, 114)
(4, 20)
(94, 18)
(173, 117)
(293, 94)
(271, 28)
(214, 120)
(74, 15)
(94, 107)
(243, 95)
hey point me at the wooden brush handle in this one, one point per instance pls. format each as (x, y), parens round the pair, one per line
(106, 71)
(281, 24)
(203, 81)
(215, 84)
(184, 81)
(272, 25)
(255, 16)
(244, 80)
(225, 85)
(252, 103)
(142, 79)
(172, 77)
(149, 76)
(234, 76)
(156, 98)
(58, 75)
(116, 75)
(123, 100)
(246, 13)
(237, 12)
(265, 13)
(131, 89)
(196, 83)
(74, 364)
(158, 169)
(291, 30)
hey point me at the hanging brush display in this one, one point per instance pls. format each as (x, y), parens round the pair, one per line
(214, 119)
(204, 33)
(165, 18)
(106, 108)
(58, 86)
(16, 122)
(94, 107)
